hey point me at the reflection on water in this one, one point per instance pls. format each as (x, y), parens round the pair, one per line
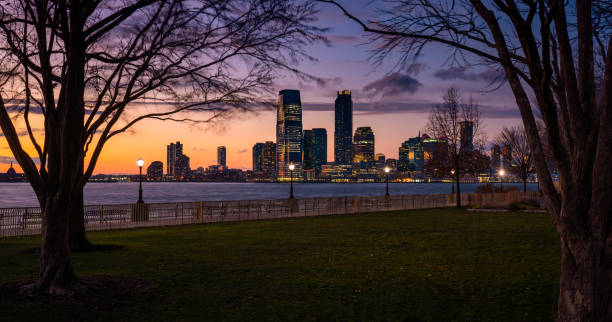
(21, 194)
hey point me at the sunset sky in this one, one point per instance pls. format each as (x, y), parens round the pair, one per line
(395, 103)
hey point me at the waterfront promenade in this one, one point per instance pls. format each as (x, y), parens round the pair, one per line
(27, 220)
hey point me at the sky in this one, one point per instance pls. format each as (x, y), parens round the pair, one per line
(394, 102)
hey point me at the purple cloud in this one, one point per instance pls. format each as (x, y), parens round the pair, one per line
(393, 85)
(462, 72)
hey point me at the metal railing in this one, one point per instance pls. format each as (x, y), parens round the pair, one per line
(27, 221)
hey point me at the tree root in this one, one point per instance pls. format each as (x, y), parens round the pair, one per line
(70, 289)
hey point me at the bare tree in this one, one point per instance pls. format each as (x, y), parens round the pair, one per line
(458, 124)
(560, 54)
(521, 164)
(94, 68)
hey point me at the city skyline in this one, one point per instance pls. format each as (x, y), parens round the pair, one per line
(239, 154)
(394, 103)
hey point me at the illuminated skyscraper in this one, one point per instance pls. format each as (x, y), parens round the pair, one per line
(363, 147)
(496, 153)
(155, 170)
(269, 160)
(315, 149)
(364, 167)
(343, 130)
(289, 134)
(221, 156)
(258, 157)
(411, 155)
(173, 151)
(182, 167)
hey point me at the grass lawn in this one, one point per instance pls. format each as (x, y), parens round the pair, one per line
(441, 264)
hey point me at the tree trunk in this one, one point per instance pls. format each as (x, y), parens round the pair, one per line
(586, 287)
(57, 275)
(77, 237)
(524, 185)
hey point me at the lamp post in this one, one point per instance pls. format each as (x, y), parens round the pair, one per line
(140, 163)
(453, 181)
(501, 179)
(291, 168)
(387, 180)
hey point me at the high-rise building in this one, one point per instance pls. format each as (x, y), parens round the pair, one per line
(289, 134)
(269, 160)
(315, 149)
(343, 130)
(495, 158)
(363, 146)
(379, 161)
(221, 156)
(506, 157)
(392, 164)
(403, 162)
(155, 170)
(173, 151)
(182, 168)
(364, 167)
(258, 150)
(467, 135)
(411, 155)
(433, 148)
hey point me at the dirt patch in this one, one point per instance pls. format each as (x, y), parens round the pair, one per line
(102, 292)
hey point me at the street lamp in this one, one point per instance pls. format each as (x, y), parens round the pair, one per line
(291, 168)
(501, 179)
(140, 163)
(453, 181)
(387, 179)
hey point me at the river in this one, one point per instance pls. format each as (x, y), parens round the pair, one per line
(21, 194)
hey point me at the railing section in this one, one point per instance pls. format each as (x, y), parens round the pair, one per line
(27, 221)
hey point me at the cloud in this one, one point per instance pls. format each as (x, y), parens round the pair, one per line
(343, 39)
(416, 68)
(393, 85)
(323, 83)
(199, 149)
(489, 75)
(243, 151)
(24, 132)
(391, 107)
(5, 159)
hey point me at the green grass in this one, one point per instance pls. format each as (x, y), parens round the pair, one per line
(434, 265)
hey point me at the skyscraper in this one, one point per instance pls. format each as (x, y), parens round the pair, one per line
(258, 150)
(496, 153)
(411, 155)
(363, 146)
(315, 149)
(467, 135)
(182, 167)
(364, 168)
(269, 160)
(221, 153)
(173, 151)
(155, 170)
(289, 134)
(343, 130)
